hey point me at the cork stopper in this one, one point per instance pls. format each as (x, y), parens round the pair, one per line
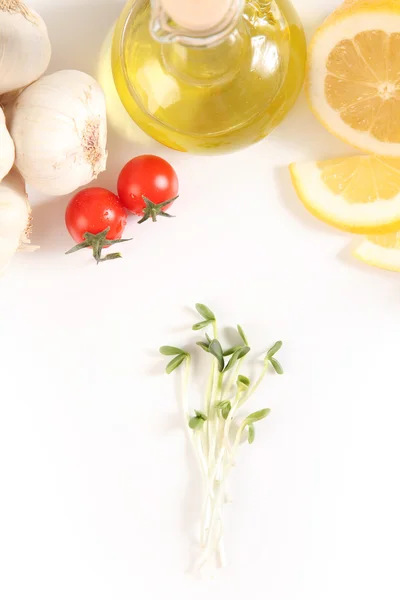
(197, 15)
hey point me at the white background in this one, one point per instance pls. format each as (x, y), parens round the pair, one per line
(99, 494)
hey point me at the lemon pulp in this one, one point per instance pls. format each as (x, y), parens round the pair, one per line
(382, 251)
(390, 240)
(363, 83)
(362, 179)
(211, 99)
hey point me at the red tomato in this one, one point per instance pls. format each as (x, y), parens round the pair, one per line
(151, 178)
(94, 210)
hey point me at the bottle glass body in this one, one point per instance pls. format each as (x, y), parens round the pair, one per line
(211, 98)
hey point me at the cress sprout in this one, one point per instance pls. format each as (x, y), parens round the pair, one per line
(217, 431)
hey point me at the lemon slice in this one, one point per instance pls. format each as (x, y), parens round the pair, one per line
(353, 82)
(360, 194)
(381, 251)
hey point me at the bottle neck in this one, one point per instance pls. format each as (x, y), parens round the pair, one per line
(191, 23)
(211, 64)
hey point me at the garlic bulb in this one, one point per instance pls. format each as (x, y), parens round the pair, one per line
(15, 217)
(59, 128)
(7, 151)
(25, 48)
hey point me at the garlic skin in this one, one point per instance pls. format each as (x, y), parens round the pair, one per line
(59, 128)
(15, 217)
(7, 150)
(25, 48)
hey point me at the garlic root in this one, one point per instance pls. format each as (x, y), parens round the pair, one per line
(59, 128)
(25, 48)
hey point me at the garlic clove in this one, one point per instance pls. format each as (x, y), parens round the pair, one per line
(7, 150)
(25, 48)
(15, 217)
(59, 128)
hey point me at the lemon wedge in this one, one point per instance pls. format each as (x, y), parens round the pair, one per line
(381, 251)
(353, 81)
(360, 194)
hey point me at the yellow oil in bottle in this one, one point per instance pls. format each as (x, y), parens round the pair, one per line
(216, 98)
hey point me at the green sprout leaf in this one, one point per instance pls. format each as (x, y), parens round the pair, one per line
(200, 415)
(243, 382)
(225, 407)
(171, 351)
(237, 355)
(231, 351)
(275, 348)
(226, 411)
(243, 351)
(220, 405)
(205, 312)
(201, 325)
(277, 366)
(251, 433)
(257, 416)
(216, 350)
(242, 335)
(203, 345)
(196, 423)
(209, 340)
(175, 363)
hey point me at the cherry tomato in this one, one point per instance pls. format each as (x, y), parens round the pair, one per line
(94, 210)
(147, 186)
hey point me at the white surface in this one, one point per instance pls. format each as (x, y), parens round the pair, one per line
(99, 499)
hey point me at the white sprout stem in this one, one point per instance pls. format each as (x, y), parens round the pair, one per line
(220, 548)
(219, 498)
(213, 471)
(233, 377)
(214, 540)
(211, 444)
(206, 437)
(212, 402)
(213, 482)
(238, 403)
(215, 499)
(214, 543)
(218, 478)
(255, 387)
(214, 418)
(194, 439)
(212, 430)
(225, 442)
(223, 562)
(205, 445)
(194, 436)
(231, 383)
(208, 401)
(185, 388)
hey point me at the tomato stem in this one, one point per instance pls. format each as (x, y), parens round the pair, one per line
(152, 210)
(98, 242)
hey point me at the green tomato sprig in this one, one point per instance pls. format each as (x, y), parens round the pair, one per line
(216, 432)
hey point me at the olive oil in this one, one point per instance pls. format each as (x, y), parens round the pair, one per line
(210, 98)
